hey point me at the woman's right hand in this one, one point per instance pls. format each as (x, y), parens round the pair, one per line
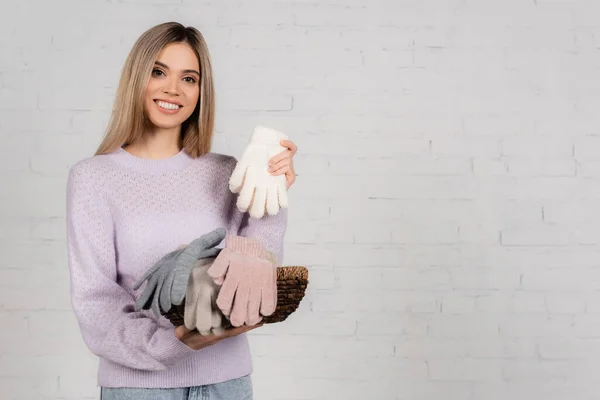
(196, 341)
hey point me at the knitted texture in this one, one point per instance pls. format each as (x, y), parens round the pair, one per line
(260, 192)
(124, 213)
(248, 246)
(248, 279)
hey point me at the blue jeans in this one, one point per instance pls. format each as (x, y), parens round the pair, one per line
(234, 389)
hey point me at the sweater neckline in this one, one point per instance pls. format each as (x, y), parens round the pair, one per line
(151, 165)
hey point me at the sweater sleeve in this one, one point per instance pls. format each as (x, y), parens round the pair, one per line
(270, 229)
(104, 310)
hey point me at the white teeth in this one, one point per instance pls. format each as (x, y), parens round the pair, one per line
(168, 106)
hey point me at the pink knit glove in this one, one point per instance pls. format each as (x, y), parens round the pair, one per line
(246, 275)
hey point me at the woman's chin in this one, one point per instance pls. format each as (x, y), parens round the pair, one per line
(165, 123)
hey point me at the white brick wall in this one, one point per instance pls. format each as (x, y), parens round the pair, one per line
(446, 201)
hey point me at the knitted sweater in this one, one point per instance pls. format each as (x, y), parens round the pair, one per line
(123, 214)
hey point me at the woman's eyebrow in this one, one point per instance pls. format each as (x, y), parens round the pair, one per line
(185, 71)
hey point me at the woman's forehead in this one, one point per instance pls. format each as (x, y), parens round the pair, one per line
(178, 56)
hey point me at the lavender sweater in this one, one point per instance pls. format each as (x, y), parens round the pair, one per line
(123, 214)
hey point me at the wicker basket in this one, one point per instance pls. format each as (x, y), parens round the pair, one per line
(291, 287)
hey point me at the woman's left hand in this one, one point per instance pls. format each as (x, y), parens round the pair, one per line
(283, 163)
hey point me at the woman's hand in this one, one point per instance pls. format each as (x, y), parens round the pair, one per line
(283, 163)
(196, 341)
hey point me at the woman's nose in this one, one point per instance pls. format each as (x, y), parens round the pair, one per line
(171, 86)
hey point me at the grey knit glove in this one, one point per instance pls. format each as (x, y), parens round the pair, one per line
(168, 278)
(144, 302)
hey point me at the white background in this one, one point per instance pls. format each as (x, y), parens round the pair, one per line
(446, 202)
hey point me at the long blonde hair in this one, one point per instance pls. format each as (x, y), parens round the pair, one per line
(128, 120)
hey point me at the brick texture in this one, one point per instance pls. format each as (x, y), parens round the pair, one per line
(446, 201)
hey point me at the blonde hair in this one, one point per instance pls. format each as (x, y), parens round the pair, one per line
(128, 120)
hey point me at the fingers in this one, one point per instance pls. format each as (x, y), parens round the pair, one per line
(285, 167)
(290, 178)
(272, 201)
(152, 270)
(239, 330)
(257, 208)
(279, 157)
(219, 281)
(247, 193)
(204, 242)
(280, 167)
(269, 295)
(253, 316)
(240, 306)
(204, 312)
(148, 273)
(195, 340)
(145, 299)
(181, 331)
(226, 296)
(180, 283)
(280, 160)
(159, 264)
(209, 253)
(236, 180)
(198, 341)
(189, 315)
(283, 197)
(219, 267)
(212, 239)
(216, 321)
(291, 146)
(165, 292)
(218, 331)
(156, 300)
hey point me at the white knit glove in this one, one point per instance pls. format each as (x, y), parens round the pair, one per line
(259, 191)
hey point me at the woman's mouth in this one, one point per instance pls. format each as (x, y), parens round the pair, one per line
(166, 107)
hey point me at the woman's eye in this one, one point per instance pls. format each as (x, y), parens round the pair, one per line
(157, 72)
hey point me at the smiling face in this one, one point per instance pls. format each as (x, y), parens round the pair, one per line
(173, 88)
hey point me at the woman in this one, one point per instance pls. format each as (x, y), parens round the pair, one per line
(152, 186)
